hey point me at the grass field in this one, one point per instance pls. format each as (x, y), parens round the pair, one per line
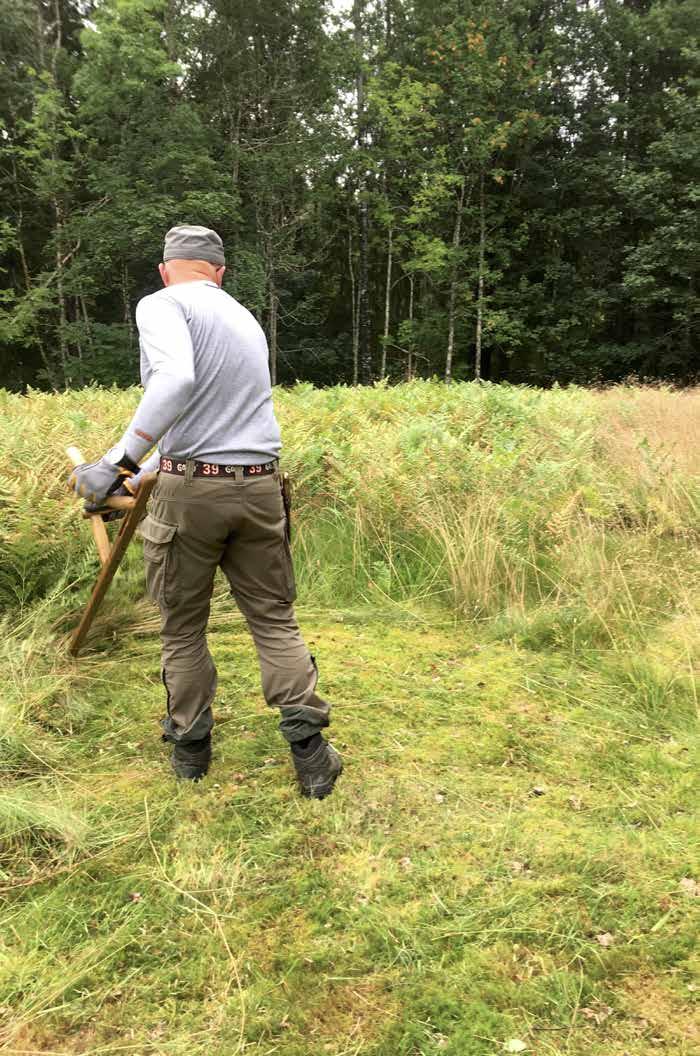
(501, 588)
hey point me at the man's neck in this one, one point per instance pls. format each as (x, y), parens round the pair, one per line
(191, 276)
(177, 272)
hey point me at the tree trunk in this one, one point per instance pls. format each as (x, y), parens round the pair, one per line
(364, 352)
(58, 211)
(272, 327)
(387, 300)
(58, 27)
(40, 37)
(236, 148)
(127, 308)
(235, 144)
(88, 324)
(354, 307)
(62, 318)
(169, 17)
(480, 294)
(409, 351)
(78, 344)
(20, 221)
(456, 238)
(365, 355)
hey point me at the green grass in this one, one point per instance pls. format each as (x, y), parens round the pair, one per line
(511, 854)
(436, 903)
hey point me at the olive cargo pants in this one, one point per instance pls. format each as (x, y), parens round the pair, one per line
(237, 524)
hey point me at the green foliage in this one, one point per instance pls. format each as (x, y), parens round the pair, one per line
(578, 262)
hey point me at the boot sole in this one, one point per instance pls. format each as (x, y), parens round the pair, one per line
(321, 791)
(189, 771)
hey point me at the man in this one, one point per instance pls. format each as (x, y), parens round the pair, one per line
(217, 504)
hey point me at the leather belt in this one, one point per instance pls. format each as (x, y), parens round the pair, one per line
(217, 470)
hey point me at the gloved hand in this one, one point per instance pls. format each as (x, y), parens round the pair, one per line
(96, 480)
(128, 489)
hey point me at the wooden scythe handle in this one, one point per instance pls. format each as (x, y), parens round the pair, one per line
(110, 555)
(96, 523)
(121, 542)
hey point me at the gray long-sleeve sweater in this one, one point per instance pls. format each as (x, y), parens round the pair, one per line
(204, 366)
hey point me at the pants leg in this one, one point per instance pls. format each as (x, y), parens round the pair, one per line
(258, 565)
(182, 548)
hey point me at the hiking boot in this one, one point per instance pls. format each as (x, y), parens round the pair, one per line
(318, 770)
(190, 759)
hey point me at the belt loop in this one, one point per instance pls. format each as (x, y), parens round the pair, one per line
(238, 476)
(189, 470)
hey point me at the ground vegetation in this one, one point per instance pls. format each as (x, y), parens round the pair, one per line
(500, 585)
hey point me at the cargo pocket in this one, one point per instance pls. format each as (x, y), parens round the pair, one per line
(158, 546)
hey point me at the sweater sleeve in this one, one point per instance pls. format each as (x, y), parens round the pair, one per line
(151, 463)
(167, 346)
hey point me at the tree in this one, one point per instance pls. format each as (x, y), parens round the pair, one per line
(38, 170)
(464, 187)
(148, 158)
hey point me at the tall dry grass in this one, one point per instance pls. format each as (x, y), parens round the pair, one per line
(665, 421)
(501, 502)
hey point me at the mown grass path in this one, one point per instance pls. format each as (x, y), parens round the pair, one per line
(506, 865)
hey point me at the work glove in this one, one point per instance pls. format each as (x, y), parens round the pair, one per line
(94, 481)
(129, 487)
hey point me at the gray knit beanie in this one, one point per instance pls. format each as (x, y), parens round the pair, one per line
(191, 242)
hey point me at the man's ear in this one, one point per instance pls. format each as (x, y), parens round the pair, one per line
(162, 268)
(220, 274)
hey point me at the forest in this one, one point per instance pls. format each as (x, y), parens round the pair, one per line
(496, 189)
